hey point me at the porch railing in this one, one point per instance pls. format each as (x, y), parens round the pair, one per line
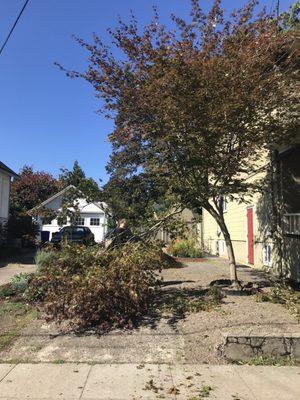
(292, 224)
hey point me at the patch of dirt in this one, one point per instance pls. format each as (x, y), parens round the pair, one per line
(14, 316)
(190, 335)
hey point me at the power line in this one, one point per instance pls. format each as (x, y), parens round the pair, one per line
(14, 25)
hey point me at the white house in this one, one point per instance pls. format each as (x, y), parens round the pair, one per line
(5, 178)
(91, 215)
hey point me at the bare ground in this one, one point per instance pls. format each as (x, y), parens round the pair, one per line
(177, 338)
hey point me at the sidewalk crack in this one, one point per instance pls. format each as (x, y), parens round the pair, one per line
(245, 383)
(172, 380)
(85, 382)
(14, 366)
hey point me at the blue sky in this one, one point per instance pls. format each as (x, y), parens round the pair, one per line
(46, 119)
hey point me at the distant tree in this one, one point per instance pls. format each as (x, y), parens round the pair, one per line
(30, 189)
(291, 17)
(77, 178)
(144, 205)
(196, 108)
(132, 199)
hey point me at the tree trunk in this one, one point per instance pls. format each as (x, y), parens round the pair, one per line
(231, 257)
(230, 252)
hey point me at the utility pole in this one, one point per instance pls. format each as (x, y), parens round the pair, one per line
(277, 8)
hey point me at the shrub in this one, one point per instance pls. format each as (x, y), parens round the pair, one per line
(185, 248)
(98, 290)
(20, 282)
(17, 286)
(52, 263)
(44, 258)
(70, 257)
(6, 291)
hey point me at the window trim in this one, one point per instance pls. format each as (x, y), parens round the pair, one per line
(223, 203)
(94, 218)
(267, 254)
(80, 224)
(292, 224)
(222, 247)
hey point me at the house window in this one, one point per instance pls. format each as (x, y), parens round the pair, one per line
(217, 247)
(292, 224)
(223, 203)
(267, 254)
(221, 247)
(79, 221)
(95, 221)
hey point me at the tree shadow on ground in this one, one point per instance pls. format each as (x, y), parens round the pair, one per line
(173, 304)
(251, 281)
(260, 277)
(169, 283)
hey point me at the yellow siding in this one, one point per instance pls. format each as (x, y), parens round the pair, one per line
(235, 218)
(236, 221)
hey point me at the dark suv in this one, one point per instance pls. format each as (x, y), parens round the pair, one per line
(73, 234)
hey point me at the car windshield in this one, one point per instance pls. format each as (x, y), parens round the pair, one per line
(68, 229)
(64, 230)
(78, 230)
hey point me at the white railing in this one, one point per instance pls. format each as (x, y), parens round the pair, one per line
(292, 224)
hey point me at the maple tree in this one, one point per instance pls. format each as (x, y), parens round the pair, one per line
(30, 189)
(198, 106)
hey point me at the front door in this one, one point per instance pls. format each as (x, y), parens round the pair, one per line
(250, 237)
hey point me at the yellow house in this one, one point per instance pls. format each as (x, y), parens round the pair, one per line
(265, 229)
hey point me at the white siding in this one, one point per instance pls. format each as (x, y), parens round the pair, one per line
(98, 230)
(87, 211)
(4, 195)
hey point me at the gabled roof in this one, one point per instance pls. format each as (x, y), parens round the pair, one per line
(66, 189)
(54, 197)
(6, 169)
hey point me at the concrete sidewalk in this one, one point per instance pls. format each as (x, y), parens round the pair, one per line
(149, 381)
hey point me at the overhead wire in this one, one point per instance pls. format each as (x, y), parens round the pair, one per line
(13, 27)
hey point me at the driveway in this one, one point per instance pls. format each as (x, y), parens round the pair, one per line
(15, 265)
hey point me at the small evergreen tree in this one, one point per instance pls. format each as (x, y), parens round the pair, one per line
(76, 177)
